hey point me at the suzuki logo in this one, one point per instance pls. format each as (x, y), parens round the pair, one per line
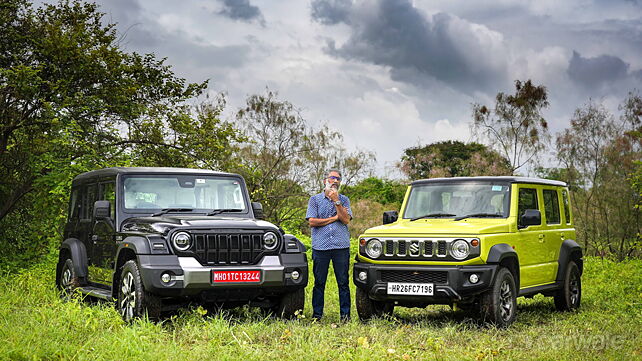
(414, 248)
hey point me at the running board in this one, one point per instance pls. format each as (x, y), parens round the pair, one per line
(531, 291)
(98, 292)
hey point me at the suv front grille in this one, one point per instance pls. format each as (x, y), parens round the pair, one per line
(422, 249)
(216, 249)
(414, 276)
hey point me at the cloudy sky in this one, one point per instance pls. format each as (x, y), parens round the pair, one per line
(390, 74)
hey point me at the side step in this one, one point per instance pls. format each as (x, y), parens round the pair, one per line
(98, 292)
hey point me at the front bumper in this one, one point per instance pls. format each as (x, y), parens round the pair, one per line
(451, 283)
(190, 278)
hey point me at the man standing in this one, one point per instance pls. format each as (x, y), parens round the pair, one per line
(328, 215)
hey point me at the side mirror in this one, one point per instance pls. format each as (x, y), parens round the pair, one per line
(102, 210)
(531, 217)
(257, 209)
(390, 217)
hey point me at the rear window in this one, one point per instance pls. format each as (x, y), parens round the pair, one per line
(551, 206)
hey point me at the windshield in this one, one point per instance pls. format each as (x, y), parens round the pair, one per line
(185, 192)
(458, 200)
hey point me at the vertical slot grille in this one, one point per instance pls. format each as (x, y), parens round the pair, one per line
(217, 249)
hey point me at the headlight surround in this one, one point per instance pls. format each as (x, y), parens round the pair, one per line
(374, 247)
(182, 241)
(270, 240)
(459, 249)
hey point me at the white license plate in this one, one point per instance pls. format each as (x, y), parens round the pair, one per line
(415, 289)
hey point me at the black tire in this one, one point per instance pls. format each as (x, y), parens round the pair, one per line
(290, 303)
(133, 301)
(568, 297)
(68, 281)
(368, 308)
(499, 304)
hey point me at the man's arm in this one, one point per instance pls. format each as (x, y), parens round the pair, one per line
(342, 214)
(320, 222)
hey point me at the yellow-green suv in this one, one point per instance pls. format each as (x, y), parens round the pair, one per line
(474, 243)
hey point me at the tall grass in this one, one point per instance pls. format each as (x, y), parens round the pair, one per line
(36, 324)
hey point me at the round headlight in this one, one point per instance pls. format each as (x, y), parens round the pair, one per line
(182, 241)
(270, 240)
(373, 248)
(459, 249)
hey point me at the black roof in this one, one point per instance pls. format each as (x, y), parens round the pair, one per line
(509, 179)
(107, 172)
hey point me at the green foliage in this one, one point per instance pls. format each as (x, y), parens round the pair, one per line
(515, 127)
(71, 101)
(376, 189)
(452, 159)
(36, 325)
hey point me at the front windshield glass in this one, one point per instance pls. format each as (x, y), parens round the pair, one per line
(458, 199)
(203, 193)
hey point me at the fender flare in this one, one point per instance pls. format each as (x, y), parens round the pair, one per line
(289, 238)
(502, 252)
(136, 244)
(569, 251)
(78, 253)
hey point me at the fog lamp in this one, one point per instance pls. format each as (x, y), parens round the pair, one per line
(363, 276)
(166, 278)
(474, 278)
(295, 275)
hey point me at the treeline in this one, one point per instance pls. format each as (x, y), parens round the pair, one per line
(71, 100)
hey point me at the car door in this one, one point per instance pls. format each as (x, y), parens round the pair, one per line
(530, 240)
(104, 244)
(554, 232)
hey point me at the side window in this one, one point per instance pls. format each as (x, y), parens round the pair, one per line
(551, 206)
(527, 200)
(108, 193)
(88, 201)
(74, 205)
(567, 211)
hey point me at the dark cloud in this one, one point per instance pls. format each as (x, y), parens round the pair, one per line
(331, 12)
(415, 47)
(598, 71)
(241, 10)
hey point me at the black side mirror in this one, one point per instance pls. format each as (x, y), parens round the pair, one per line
(102, 210)
(390, 217)
(257, 209)
(531, 217)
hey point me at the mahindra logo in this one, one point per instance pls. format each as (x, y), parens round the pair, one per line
(414, 248)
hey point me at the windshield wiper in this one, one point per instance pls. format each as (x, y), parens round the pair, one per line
(433, 215)
(224, 210)
(478, 215)
(167, 210)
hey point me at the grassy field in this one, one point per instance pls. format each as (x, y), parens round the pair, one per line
(36, 324)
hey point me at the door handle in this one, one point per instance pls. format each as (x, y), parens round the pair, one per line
(541, 238)
(562, 236)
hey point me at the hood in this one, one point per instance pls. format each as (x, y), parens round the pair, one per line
(442, 227)
(165, 223)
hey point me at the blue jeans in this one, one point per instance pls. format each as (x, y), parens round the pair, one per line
(321, 262)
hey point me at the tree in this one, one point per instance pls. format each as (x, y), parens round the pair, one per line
(70, 101)
(284, 159)
(452, 159)
(515, 127)
(598, 155)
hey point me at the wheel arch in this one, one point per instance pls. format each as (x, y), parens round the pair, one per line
(73, 248)
(128, 250)
(504, 255)
(569, 251)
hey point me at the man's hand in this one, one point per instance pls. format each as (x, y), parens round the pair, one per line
(333, 194)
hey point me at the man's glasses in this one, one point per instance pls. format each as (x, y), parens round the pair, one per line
(338, 179)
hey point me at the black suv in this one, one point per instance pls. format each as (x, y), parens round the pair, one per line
(156, 238)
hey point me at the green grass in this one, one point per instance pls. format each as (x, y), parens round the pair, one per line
(36, 324)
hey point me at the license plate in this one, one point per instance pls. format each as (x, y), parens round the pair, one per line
(236, 276)
(414, 289)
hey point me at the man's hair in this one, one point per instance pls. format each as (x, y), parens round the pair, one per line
(333, 170)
